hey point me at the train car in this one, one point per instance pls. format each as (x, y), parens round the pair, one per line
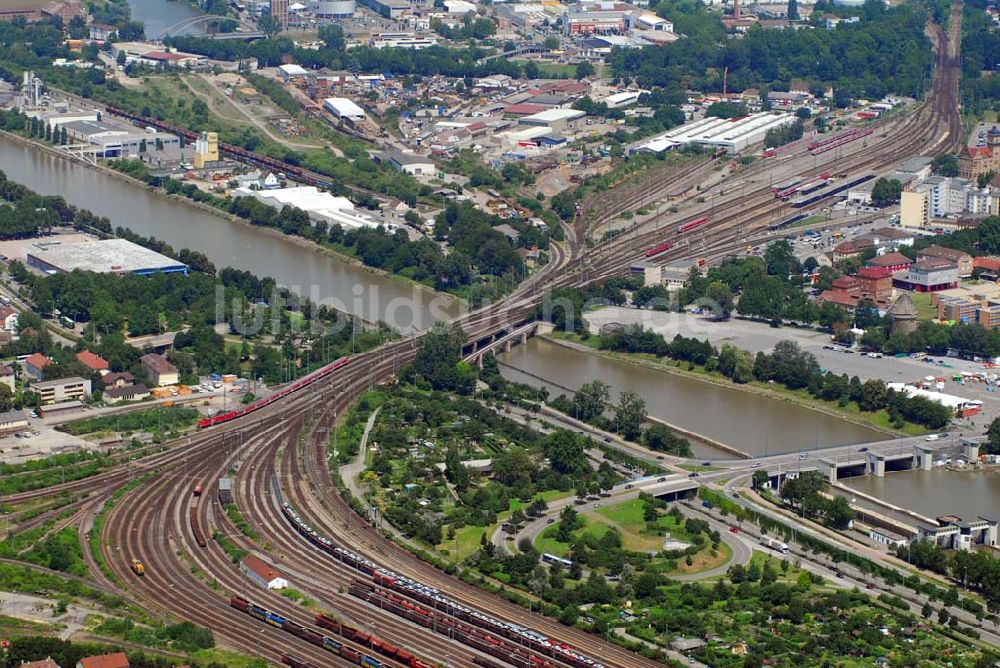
(199, 536)
(662, 248)
(692, 224)
(835, 189)
(306, 380)
(295, 662)
(138, 568)
(791, 183)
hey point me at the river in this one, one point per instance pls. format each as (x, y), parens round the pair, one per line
(322, 278)
(158, 15)
(967, 494)
(749, 422)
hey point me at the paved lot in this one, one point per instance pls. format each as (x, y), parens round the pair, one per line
(755, 336)
(17, 450)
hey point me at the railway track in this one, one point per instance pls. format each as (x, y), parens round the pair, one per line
(152, 521)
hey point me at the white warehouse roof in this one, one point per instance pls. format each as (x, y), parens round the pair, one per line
(950, 400)
(553, 116)
(621, 99)
(732, 134)
(292, 70)
(319, 205)
(343, 107)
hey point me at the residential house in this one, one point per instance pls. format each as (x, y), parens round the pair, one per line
(875, 283)
(93, 362)
(117, 379)
(59, 390)
(8, 319)
(890, 237)
(961, 260)
(261, 573)
(851, 248)
(161, 371)
(121, 393)
(116, 660)
(35, 365)
(47, 662)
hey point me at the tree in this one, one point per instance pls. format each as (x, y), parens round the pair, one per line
(584, 69)
(660, 438)
(760, 479)
(886, 192)
(629, 415)
(793, 10)
(721, 297)
(565, 451)
(945, 165)
(591, 399)
(332, 35)
(269, 25)
(120, 58)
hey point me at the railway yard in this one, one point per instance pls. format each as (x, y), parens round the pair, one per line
(372, 602)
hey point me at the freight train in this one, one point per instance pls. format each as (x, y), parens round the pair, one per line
(327, 643)
(522, 636)
(692, 224)
(467, 634)
(839, 140)
(199, 536)
(285, 168)
(308, 379)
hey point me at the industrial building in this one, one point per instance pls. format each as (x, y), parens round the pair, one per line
(320, 206)
(341, 107)
(553, 118)
(408, 163)
(113, 139)
(206, 150)
(730, 134)
(402, 40)
(333, 9)
(108, 256)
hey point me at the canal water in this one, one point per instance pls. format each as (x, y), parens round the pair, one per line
(967, 494)
(158, 15)
(322, 278)
(749, 422)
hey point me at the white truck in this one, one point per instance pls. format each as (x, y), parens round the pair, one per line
(774, 544)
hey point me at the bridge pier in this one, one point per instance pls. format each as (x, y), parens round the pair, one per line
(876, 464)
(507, 345)
(923, 457)
(828, 468)
(970, 450)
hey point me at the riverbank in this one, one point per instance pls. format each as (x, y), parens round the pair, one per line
(879, 422)
(348, 265)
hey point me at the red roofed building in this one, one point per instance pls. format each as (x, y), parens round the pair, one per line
(262, 573)
(35, 365)
(67, 11)
(8, 318)
(524, 109)
(851, 248)
(974, 161)
(875, 284)
(93, 362)
(839, 298)
(116, 660)
(892, 261)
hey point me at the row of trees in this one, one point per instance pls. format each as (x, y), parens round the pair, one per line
(787, 364)
(886, 53)
(971, 568)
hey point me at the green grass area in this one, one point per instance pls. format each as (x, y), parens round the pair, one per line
(548, 497)
(812, 220)
(467, 540)
(154, 419)
(922, 300)
(554, 70)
